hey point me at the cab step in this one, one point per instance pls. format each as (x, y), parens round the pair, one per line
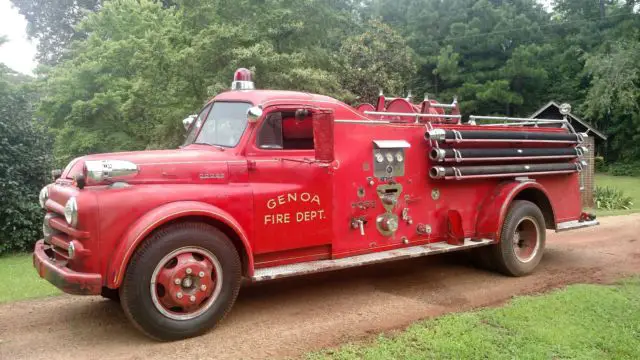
(311, 267)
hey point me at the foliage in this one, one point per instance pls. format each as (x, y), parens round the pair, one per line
(625, 169)
(614, 96)
(143, 66)
(23, 164)
(125, 71)
(52, 24)
(631, 186)
(610, 198)
(579, 322)
(599, 164)
(376, 59)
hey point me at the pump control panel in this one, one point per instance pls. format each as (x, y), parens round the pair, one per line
(389, 157)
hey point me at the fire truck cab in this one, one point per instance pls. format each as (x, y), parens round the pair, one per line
(271, 184)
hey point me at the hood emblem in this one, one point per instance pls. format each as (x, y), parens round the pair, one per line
(205, 176)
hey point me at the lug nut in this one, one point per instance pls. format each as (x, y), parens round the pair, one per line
(188, 270)
(179, 295)
(203, 287)
(192, 298)
(201, 274)
(177, 281)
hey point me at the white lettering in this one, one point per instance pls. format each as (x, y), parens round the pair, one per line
(293, 197)
(271, 204)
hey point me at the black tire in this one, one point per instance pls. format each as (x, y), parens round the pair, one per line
(528, 218)
(110, 294)
(135, 292)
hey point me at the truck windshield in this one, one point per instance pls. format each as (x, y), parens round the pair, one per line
(224, 125)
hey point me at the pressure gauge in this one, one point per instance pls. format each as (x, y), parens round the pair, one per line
(399, 157)
(379, 157)
(389, 157)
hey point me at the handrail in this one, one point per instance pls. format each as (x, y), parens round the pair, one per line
(505, 118)
(444, 106)
(383, 113)
(520, 123)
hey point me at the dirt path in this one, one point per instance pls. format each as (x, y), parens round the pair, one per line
(291, 317)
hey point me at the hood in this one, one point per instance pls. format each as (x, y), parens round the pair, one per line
(208, 165)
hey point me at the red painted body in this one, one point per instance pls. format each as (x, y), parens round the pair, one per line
(283, 206)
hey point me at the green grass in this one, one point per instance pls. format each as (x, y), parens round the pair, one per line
(630, 186)
(20, 280)
(579, 322)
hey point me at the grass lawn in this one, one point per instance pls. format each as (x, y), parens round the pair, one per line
(579, 322)
(630, 186)
(20, 280)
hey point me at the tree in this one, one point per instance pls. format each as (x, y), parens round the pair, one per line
(613, 99)
(377, 59)
(52, 24)
(474, 49)
(142, 66)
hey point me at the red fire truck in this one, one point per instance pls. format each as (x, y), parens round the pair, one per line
(271, 184)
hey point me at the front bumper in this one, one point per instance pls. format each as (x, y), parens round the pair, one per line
(65, 279)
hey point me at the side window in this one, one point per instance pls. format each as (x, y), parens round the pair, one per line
(284, 131)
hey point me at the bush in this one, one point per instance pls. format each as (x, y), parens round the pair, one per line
(625, 169)
(610, 198)
(24, 162)
(599, 164)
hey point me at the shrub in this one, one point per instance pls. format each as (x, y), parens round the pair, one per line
(610, 198)
(625, 169)
(599, 164)
(24, 162)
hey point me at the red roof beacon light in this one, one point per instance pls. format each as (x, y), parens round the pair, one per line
(242, 80)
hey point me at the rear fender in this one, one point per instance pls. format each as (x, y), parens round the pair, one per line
(493, 210)
(157, 217)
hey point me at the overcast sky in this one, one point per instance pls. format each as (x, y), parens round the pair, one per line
(19, 52)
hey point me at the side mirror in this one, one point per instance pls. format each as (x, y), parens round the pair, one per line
(186, 122)
(253, 114)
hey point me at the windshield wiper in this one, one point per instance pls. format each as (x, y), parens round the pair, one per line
(219, 147)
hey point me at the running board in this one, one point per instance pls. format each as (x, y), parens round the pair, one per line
(311, 267)
(575, 224)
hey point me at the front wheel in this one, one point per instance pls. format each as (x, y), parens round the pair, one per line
(522, 240)
(181, 281)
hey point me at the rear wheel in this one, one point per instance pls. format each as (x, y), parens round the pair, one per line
(522, 240)
(181, 281)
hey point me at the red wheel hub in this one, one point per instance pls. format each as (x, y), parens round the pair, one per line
(526, 239)
(184, 282)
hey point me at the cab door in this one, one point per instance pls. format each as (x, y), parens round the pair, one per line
(292, 189)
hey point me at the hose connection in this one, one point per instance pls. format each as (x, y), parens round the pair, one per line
(437, 172)
(435, 134)
(437, 154)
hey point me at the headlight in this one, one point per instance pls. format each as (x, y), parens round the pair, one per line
(44, 195)
(71, 212)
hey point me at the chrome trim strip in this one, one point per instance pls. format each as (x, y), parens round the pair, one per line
(369, 122)
(310, 267)
(575, 224)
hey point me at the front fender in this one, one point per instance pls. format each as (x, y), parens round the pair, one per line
(157, 217)
(493, 209)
